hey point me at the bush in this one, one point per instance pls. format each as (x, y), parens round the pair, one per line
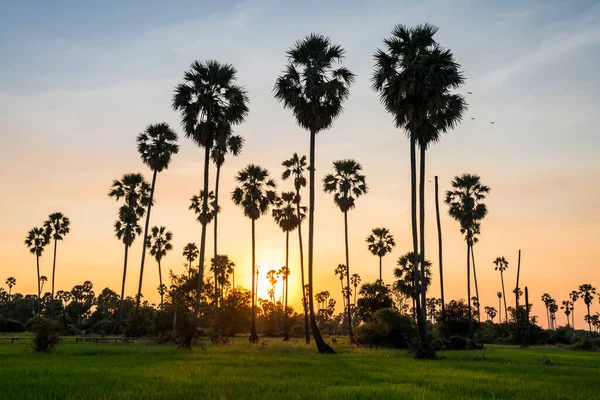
(587, 344)
(457, 343)
(420, 350)
(563, 335)
(388, 328)
(10, 325)
(46, 334)
(297, 331)
(103, 327)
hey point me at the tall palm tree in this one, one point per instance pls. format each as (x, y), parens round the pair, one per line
(342, 271)
(208, 99)
(347, 184)
(190, 252)
(574, 296)
(57, 226)
(380, 242)
(587, 292)
(135, 191)
(414, 77)
(501, 265)
(547, 300)
(466, 206)
(409, 278)
(567, 305)
(10, 282)
(499, 294)
(156, 144)
(295, 166)
(355, 281)
(159, 243)
(36, 240)
(439, 230)
(287, 218)
(255, 194)
(314, 86)
(285, 273)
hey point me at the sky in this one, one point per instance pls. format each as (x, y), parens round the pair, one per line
(79, 80)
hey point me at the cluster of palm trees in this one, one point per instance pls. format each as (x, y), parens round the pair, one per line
(587, 293)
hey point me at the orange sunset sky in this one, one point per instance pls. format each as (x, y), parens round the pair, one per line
(75, 92)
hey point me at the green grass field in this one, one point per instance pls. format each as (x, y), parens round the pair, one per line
(293, 370)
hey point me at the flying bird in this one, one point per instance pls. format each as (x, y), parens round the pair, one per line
(472, 118)
(469, 92)
(492, 122)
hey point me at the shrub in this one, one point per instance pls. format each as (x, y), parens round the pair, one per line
(297, 331)
(563, 335)
(103, 327)
(46, 334)
(457, 343)
(586, 344)
(388, 328)
(10, 325)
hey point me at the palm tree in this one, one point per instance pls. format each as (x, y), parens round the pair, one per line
(567, 305)
(467, 208)
(156, 144)
(499, 294)
(574, 296)
(134, 189)
(36, 240)
(409, 278)
(57, 226)
(439, 229)
(414, 77)
(314, 86)
(295, 167)
(547, 300)
(159, 244)
(211, 210)
(65, 297)
(255, 194)
(342, 271)
(43, 279)
(225, 143)
(285, 273)
(587, 292)
(355, 281)
(287, 218)
(347, 184)
(208, 100)
(501, 265)
(380, 242)
(10, 282)
(491, 312)
(190, 252)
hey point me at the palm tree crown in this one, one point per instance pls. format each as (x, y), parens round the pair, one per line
(57, 226)
(196, 206)
(295, 167)
(190, 252)
(405, 273)
(284, 212)
(156, 145)
(159, 242)
(313, 85)
(225, 143)
(465, 201)
(36, 240)
(501, 264)
(256, 191)
(380, 242)
(347, 184)
(136, 192)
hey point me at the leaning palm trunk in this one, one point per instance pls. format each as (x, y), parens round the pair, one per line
(348, 278)
(193, 320)
(286, 336)
(253, 335)
(304, 302)
(476, 286)
(517, 289)
(39, 304)
(439, 228)
(217, 288)
(504, 297)
(321, 345)
(53, 274)
(380, 276)
(413, 201)
(422, 232)
(120, 316)
(160, 284)
(469, 281)
(139, 293)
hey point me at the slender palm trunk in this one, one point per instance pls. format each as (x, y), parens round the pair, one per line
(253, 335)
(573, 315)
(380, 276)
(304, 302)
(139, 293)
(499, 311)
(321, 345)
(355, 289)
(439, 229)
(504, 297)
(413, 212)
(217, 287)
(193, 320)
(53, 274)
(64, 314)
(476, 285)
(469, 281)
(422, 232)
(527, 329)
(589, 320)
(160, 284)
(517, 289)
(39, 305)
(343, 295)
(286, 336)
(121, 305)
(348, 278)
(548, 316)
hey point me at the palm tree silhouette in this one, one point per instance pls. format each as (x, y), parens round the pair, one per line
(134, 189)
(501, 265)
(208, 101)
(36, 240)
(346, 184)
(441, 263)
(156, 144)
(414, 77)
(567, 305)
(574, 296)
(285, 273)
(10, 282)
(64, 296)
(587, 292)
(159, 243)
(409, 278)
(43, 279)
(255, 194)
(190, 252)
(380, 242)
(499, 294)
(295, 166)
(287, 218)
(547, 300)
(196, 207)
(466, 207)
(314, 86)
(342, 271)
(57, 226)
(355, 281)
